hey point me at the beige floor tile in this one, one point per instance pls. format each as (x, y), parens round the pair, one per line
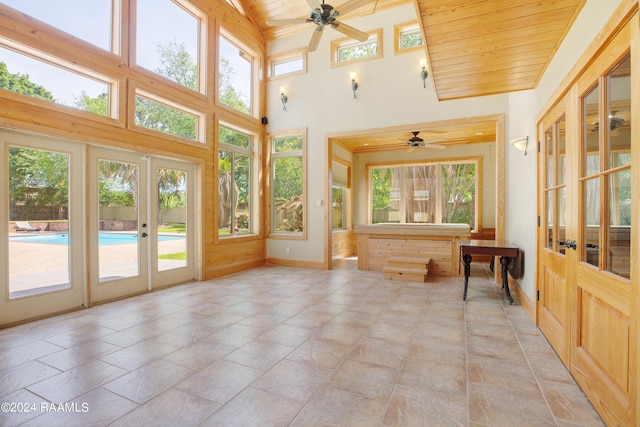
(335, 407)
(295, 380)
(435, 376)
(199, 355)
(569, 404)
(379, 352)
(366, 379)
(171, 408)
(221, 381)
(30, 407)
(255, 408)
(319, 352)
(77, 381)
(79, 355)
(259, 354)
(145, 383)
(140, 354)
(34, 350)
(17, 377)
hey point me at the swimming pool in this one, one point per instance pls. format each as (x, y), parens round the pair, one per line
(105, 239)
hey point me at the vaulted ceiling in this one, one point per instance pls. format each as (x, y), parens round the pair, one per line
(474, 47)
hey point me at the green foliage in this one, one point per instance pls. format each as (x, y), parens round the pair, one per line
(38, 178)
(98, 105)
(171, 188)
(357, 51)
(173, 228)
(228, 94)
(411, 40)
(290, 213)
(178, 256)
(20, 83)
(381, 185)
(177, 65)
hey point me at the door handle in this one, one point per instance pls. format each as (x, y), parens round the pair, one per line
(571, 244)
(145, 235)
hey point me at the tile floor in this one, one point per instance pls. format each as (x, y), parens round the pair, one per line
(284, 346)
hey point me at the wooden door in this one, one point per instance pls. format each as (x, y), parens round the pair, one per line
(603, 341)
(553, 297)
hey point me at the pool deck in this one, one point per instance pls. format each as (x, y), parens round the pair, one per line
(33, 265)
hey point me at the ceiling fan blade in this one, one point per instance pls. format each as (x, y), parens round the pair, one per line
(315, 39)
(292, 21)
(349, 31)
(314, 4)
(437, 147)
(349, 6)
(439, 139)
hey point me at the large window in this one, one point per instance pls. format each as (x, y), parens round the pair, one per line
(169, 50)
(90, 21)
(235, 204)
(158, 116)
(288, 184)
(425, 193)
(39, 79)
(235, 76)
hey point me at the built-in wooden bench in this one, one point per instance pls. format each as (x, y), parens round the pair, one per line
(407, 268)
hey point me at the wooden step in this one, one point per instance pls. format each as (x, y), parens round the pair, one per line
(408, 269)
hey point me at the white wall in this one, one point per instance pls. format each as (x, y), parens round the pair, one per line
(390, 94)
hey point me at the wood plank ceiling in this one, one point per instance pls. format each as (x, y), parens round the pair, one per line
(474, 47)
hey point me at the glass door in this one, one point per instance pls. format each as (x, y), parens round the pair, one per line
(171, 191)
(119, 231)
(42, 258)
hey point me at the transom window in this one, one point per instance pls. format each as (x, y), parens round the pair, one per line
(348, 50)
(288, 63)
(158, 115)
(407, 37)
(433, 192)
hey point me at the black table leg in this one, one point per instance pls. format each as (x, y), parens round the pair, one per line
(466, 260)
(504, 262)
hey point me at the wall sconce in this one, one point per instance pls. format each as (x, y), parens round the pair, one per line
(423, 72)
(521, 143)
(284, 98)
(354, 83)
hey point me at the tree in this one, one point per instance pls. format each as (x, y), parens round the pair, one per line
(20, 83)
(38, 179)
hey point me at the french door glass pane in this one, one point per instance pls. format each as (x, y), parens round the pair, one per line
(591, 211)
(620, 114)
(118, 250)
(550, 160)
(562, 215)
(591, 119)
(620, 222)
(39, 211)
(225, 193)
(172, 219)
(561, 155)
(550, 208)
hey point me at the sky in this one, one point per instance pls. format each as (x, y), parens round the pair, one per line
(90, 20)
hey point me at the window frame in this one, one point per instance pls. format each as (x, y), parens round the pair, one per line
(399, 30)
(337, 44)
(270, 214)
(254, 198)
(114, 113)
(435, 162)
(136, 92)
(284, 57)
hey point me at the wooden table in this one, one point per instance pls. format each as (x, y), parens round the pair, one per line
(506, 251)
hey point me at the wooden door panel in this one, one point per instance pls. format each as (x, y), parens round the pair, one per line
(554, 304)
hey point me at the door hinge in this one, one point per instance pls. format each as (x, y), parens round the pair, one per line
(538, 146)
(537, 295)
(538, 220)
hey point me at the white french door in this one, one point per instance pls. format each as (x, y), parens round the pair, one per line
(141, 235)
(42, 256)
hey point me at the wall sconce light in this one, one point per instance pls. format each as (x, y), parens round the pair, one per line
(521, 143)
(354, 83)
(284, 98)
(423, 72)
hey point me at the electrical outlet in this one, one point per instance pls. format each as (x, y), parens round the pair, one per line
(287, 251)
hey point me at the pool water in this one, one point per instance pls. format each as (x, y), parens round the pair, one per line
(104, 238)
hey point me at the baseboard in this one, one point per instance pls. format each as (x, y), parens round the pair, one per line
(317, 265)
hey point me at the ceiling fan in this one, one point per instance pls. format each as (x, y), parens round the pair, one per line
(325, 15)
(416, 141)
